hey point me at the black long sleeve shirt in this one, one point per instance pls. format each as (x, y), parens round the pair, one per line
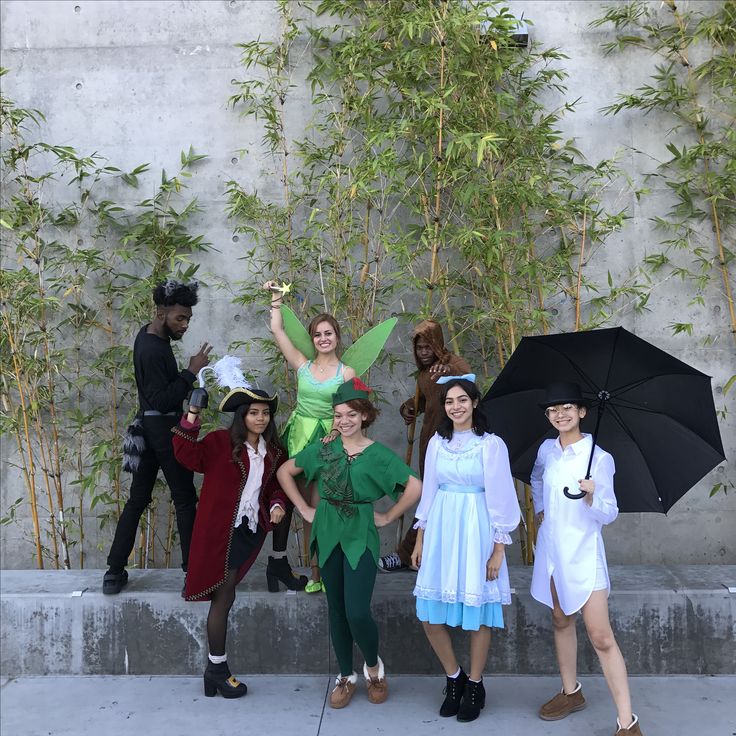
(161, 385)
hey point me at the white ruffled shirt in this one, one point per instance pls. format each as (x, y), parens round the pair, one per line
(250, 497)
(569, 539)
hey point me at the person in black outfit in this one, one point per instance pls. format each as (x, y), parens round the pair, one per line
(162, 388)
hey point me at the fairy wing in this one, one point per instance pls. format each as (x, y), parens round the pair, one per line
(362, 354)
(295, 331)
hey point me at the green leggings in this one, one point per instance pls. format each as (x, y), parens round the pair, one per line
(349, 595)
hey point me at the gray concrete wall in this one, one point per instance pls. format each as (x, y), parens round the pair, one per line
(667, 620)
(141, 80)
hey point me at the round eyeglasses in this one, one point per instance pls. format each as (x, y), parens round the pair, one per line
(554, 411)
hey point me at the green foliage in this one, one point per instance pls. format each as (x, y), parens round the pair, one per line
(76, 283)
(693, 81)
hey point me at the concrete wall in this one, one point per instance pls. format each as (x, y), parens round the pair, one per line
(141, 80)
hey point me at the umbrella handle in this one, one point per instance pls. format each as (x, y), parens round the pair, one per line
(574, 496)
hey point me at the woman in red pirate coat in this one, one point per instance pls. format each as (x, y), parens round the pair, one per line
(239, 503)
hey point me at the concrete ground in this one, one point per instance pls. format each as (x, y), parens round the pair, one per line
(284, 705)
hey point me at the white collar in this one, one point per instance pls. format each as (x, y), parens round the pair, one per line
(582, 445)
(260, 450)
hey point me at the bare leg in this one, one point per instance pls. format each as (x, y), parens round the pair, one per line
(480, 642)
(439, 640)
(309, 493)
(598, 626)
(566, 643)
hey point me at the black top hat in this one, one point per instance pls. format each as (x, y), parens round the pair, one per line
(239, 396)
(562, 392)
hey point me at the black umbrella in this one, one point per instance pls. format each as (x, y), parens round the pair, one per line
(652, 412)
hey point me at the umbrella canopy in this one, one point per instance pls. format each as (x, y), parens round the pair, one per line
(654, 413)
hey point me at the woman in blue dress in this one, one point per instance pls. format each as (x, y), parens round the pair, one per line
(467, 512)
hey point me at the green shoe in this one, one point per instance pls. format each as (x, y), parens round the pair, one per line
(314, 586)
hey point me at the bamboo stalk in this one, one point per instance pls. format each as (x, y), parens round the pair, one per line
(28, 461)
(580, 271)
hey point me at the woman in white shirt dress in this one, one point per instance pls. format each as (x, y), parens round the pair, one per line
(570, 572)
(467, 511)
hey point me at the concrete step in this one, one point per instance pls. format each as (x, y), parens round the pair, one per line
(667, 619)
(296, 706)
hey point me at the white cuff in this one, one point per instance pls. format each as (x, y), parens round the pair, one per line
(420, 524)
(500, 537)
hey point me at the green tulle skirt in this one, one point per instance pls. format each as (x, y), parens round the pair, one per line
(301, 430)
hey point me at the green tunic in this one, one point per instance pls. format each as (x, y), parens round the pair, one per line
(345, 517)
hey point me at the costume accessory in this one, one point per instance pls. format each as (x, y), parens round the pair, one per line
(134, 445)
(454, 690)
(377, 686)
(562, 392)
(360, 356)
(314, 586)
(229, 374)
(391, 563)
(114, 581)
(474, 700)
(563, 704)
(465, 377)
(343, 692)
(632, 730)
(280, 570)
(217, 677)
(351, 390)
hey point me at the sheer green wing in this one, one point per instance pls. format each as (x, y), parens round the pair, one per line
(362, 354)
(296, 332)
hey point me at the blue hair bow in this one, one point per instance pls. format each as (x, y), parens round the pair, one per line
(465, 377)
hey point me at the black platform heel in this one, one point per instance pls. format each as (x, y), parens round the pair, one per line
(279, 570)
(217, 677)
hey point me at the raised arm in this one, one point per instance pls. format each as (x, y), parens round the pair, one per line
(294, 357)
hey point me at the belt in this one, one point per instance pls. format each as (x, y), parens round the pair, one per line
(456, 488)
(154, 413)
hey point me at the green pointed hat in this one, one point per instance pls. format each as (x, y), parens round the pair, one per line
(351, 390)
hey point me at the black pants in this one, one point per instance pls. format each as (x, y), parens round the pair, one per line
(159, 453)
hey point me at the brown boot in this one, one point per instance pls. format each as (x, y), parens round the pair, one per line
(632, 730)
(377, 686)
(343, 692)
(563, 704)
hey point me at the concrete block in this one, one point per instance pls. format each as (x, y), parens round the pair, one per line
(668, 620)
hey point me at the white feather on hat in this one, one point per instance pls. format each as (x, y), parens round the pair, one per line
(228, 373)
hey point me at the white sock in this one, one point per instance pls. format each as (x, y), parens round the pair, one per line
(457, 674)
(217, 658)
(472, 680)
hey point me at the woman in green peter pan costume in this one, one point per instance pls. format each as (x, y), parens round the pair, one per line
(352, 472)
(313, 354)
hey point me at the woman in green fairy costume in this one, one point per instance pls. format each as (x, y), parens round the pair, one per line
(313, 355)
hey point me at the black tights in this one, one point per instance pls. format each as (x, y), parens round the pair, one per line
(220, 605)
(280, 534)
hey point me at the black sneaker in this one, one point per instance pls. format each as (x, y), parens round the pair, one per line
(391, 563)
(474, 699)
(453, 694)
(114, 582)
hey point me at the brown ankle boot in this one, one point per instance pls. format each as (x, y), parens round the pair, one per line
(377, 686)
(632, 730)
(343, 692)
(562, 705)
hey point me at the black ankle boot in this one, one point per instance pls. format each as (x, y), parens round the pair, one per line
(279, 569)
(453, 694)
(474, 698)
(218, 677)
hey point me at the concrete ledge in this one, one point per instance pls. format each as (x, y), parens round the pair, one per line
(667, 619)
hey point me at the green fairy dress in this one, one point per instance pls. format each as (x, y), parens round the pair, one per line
(312, 418)
(347, 491)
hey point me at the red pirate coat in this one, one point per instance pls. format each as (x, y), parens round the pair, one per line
(219, 500)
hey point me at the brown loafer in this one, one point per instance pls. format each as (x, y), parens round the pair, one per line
(377, 686)
(343, 692)
(562, 705)
(632, 730)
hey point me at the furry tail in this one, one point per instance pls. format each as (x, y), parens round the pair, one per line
(134, 445)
